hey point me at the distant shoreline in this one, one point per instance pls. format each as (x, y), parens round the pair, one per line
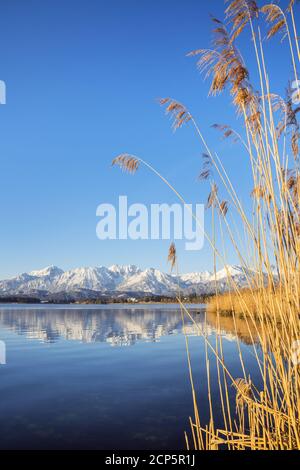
(130, 304)
(150, 300)
(42, 307)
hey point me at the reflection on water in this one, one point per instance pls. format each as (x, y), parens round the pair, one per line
(65, 387)
(116, 326)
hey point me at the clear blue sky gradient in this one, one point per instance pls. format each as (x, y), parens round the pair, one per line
(82, 81)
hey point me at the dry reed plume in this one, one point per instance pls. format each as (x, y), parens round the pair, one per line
(231, 302)
(266, 240)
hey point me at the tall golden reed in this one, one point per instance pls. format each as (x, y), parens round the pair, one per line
(265, 416)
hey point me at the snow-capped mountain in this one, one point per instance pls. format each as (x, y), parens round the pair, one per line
(49, 272)
(119, 279)
(150, 280)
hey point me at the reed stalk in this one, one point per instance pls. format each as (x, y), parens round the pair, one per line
(267, 413)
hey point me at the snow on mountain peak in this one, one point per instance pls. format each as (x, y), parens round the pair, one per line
(48, 271)
(233, 271)
(119, 279)
(124, 269)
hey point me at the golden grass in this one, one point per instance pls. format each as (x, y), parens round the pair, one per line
(229, 303)
(265, 416)
(247, 302)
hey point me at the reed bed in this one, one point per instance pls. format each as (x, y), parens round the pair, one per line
(245, 301)
(229, 303)
(265, 239)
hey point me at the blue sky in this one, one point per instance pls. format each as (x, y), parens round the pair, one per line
(82, 80)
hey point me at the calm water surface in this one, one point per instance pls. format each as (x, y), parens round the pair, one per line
(104, 377)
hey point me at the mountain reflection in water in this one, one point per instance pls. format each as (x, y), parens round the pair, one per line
(116, 326)
(65, 387)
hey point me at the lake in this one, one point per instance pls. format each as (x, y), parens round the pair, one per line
(106, 377)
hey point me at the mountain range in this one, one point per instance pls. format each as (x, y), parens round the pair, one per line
(117, 281)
